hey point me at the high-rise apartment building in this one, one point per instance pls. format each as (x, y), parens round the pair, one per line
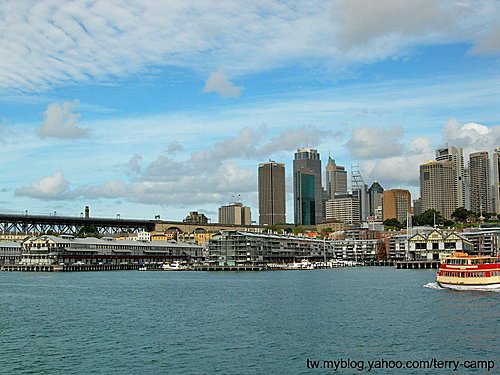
(496, 179)
(396, 204)
(455, 155)
(344, 208)
(307, 188)
(479, 171)
(336, 179)
(375, 193)
(272, 204)
(437, 187)
(235, 213)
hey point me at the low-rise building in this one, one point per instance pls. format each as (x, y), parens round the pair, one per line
(485, 240)
(436, 244)
(47, 250)
(234, 248)
(10, 252)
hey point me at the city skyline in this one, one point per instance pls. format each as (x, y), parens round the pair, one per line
(102, 109)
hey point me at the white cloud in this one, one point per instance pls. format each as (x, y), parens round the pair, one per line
(374, 143)
(46, 43)
(471, 136)
(210, 176)
(60, 121)
(219, 83)
(49, 187)
(371, 30)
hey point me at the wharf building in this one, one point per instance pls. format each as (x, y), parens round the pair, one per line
(234, 248)
(396, 204)
(479, 174)
(437, 187)
(307, 187)
(49, 250)
(235, 214)
(10, 252)
(272, 197)
(435, 245)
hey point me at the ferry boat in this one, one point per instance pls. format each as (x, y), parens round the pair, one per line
(461, 271)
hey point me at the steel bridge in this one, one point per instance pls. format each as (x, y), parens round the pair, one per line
(72, 225)
(39, 224)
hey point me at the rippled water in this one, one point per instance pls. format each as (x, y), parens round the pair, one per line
(237, 323)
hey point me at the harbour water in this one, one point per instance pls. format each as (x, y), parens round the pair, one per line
(130, 322)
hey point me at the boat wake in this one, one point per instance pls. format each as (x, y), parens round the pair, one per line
(433, 286)
(437, 287)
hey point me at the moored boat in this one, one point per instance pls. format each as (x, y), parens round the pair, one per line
(461, 271)
(304, 264)
(175, 266)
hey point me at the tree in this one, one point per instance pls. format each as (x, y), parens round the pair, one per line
(393, 222)
(88, 231)
(429, 217)
(461, 215)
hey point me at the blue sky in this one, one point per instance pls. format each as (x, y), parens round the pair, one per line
(164, 107)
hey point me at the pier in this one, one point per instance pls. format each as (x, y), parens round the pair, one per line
(417, 264)
(228, 268)
(68, 267)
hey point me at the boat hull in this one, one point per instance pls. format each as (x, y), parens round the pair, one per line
(487, 287)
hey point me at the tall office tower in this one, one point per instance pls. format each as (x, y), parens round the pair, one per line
(235, 213)
(417, 206)
(467, 188)
(336, 179)
(359, 190)
(344, 208)
(307, 189)
(375, 193)
(397, 204)
(496, 179)
(272, 193)
(437, 182)
(455, 155)
(479, 170)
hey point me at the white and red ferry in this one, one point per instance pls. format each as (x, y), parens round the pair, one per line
(469, 272)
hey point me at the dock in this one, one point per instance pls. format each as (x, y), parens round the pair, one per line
(68, 267)
(229, 268)
(417, 264)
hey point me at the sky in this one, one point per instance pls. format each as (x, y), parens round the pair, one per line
(149, 107)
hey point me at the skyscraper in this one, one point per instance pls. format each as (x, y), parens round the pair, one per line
(397, 204)
(336, 179)
(496, 179)
(375, 193)
(437, 187)
(479, 171)
(307, 190)
(455, 155)
(272, 193)
(360, 191)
